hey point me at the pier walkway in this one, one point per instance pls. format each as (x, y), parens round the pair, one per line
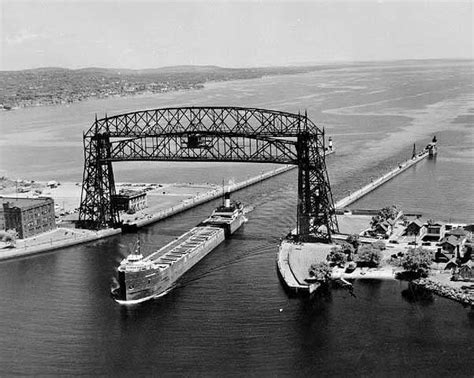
(380, 181)
(55, 239)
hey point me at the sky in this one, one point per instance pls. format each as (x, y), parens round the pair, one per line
(149, 34)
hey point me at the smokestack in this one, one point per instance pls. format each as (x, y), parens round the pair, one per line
(227, 200)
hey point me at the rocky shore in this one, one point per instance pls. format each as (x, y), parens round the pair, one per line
(457, 294)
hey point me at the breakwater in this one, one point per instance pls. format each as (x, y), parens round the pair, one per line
(27, 247)
(455, 294)
(203, 198)
(351, 198)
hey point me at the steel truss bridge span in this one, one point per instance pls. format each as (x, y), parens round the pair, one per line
(219, 134)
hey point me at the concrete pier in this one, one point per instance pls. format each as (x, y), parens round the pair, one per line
(203, 198)
(293, 261)
(380, 181)
(50, 242)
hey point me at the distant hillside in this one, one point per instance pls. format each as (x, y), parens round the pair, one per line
(54, 85)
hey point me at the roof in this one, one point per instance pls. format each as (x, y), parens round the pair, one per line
(457, 232)
(25, 202)
(417, 221)
(469, 227)
(384, 225)
(130, 194)
(437, 223)
(453, 240)
(451, 262)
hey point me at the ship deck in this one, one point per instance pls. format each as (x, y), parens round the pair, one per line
(182, 246)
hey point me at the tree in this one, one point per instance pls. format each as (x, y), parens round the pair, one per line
(9, 236)
(389, 212)
(353, 240)
(368, 256)
(320, 271)
(376, 219)
(417, 262)
(379, 244)
(385, 214)
(348, 250)
(336, 256)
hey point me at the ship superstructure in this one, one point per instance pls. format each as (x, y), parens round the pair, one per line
(432, 147)
(142, 278)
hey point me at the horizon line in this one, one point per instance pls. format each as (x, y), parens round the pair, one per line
(295, 64)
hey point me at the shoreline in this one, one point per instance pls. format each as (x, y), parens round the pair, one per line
(85, 236)
(199, 86)
(445, 291)
(93, 98)
(291, 278)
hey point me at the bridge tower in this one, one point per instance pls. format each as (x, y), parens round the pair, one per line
(316, 219)
(98, 183)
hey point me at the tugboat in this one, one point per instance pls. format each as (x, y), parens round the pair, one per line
(143, 278)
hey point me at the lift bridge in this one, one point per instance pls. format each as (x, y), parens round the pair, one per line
(209, 134)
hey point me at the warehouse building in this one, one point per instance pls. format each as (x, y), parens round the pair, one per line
(129, 200)
(28, 216)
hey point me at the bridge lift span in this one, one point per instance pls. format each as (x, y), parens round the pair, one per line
(218, 134)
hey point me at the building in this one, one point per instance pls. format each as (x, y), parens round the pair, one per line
(414, 227)
(465, 272)
(454, 241)
(450, 244)
(458, 232)
(2, 219)
(383, 228)
(129, 200)
(28, 216)
(434, 231)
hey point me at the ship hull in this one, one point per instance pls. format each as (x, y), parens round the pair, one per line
(172, 262)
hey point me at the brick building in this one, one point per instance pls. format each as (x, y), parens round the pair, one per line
(28, 216)
(129, 200)
(2, 219)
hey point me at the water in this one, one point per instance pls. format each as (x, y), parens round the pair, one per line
(231, 316)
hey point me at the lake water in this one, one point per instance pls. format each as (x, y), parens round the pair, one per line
(230, 316)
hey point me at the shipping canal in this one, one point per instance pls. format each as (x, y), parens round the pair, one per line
(230, 316)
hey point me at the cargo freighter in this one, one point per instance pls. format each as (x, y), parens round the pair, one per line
(143, 278)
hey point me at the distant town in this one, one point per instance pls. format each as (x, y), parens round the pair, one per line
(52, 86)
